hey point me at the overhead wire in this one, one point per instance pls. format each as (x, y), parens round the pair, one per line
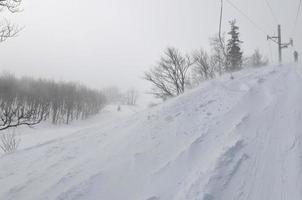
(297, 18)
(272, 12)
(254, 23)
(246, 16)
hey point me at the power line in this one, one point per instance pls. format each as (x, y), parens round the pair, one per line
(297, 17)
(272, 12)
(247, 17)
(279, 42)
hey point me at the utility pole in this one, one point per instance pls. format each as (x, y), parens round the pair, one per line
(220, 39)
(221, 42)
(278, 40)
(279, 44)
(221, 10)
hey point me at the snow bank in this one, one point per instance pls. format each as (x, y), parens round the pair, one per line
(228, 139)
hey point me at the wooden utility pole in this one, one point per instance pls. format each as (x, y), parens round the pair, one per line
(220, 22)
(221, 10)
(278, 40)
(220, 39)
(219, 35)
(279, 44)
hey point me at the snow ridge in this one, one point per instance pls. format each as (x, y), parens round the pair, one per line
(228, 139)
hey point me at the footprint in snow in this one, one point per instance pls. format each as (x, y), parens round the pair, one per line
(153, 198)
(169, 119)
(261, 80)
(177, 114)
(205, 104)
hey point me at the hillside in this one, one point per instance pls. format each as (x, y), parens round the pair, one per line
(227, 139)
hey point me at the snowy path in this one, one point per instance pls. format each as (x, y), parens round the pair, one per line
(269, 164)
(229, 139)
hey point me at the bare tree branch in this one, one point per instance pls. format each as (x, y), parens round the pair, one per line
(204, 66)
(8, 30)
(13, 116)
(12, 5)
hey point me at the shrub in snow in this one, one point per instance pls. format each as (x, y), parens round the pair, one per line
(9, 142)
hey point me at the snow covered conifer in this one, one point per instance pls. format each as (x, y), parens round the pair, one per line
(234, 52)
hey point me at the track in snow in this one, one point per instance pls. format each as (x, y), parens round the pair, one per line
(268, 165)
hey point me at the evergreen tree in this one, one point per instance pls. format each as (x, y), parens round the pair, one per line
(234, 52)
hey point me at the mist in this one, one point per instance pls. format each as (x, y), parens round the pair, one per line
(150, 99)
(104, 43)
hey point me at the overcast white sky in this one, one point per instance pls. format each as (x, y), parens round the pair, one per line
(112, 42)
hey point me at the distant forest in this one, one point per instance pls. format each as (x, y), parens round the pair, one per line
(28, 101)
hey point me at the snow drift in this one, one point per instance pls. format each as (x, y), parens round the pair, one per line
(228, 139)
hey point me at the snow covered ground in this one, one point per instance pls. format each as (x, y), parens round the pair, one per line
(46, 132)
(228, 139)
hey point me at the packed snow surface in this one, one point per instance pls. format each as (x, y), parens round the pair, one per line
(228, 139)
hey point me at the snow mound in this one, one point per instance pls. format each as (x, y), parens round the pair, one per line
(228, 139)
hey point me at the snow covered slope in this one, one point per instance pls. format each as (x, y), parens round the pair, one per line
(228, 139)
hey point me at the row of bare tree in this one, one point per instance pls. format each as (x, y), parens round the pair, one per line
(27, 101)
(116, 96)
(175, 72)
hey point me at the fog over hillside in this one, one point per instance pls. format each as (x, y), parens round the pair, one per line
(112, 42)
(150, 100)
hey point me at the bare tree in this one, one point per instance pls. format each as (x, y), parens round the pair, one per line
(257, 59)
(113, 94)
(28, 101)
(219, 54)
(15, 110)
(203, 68)
(169, 77)
(131, 97)
(8, 30)
(17, 115)
(12, 5)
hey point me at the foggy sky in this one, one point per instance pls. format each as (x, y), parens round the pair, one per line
(112, 42)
